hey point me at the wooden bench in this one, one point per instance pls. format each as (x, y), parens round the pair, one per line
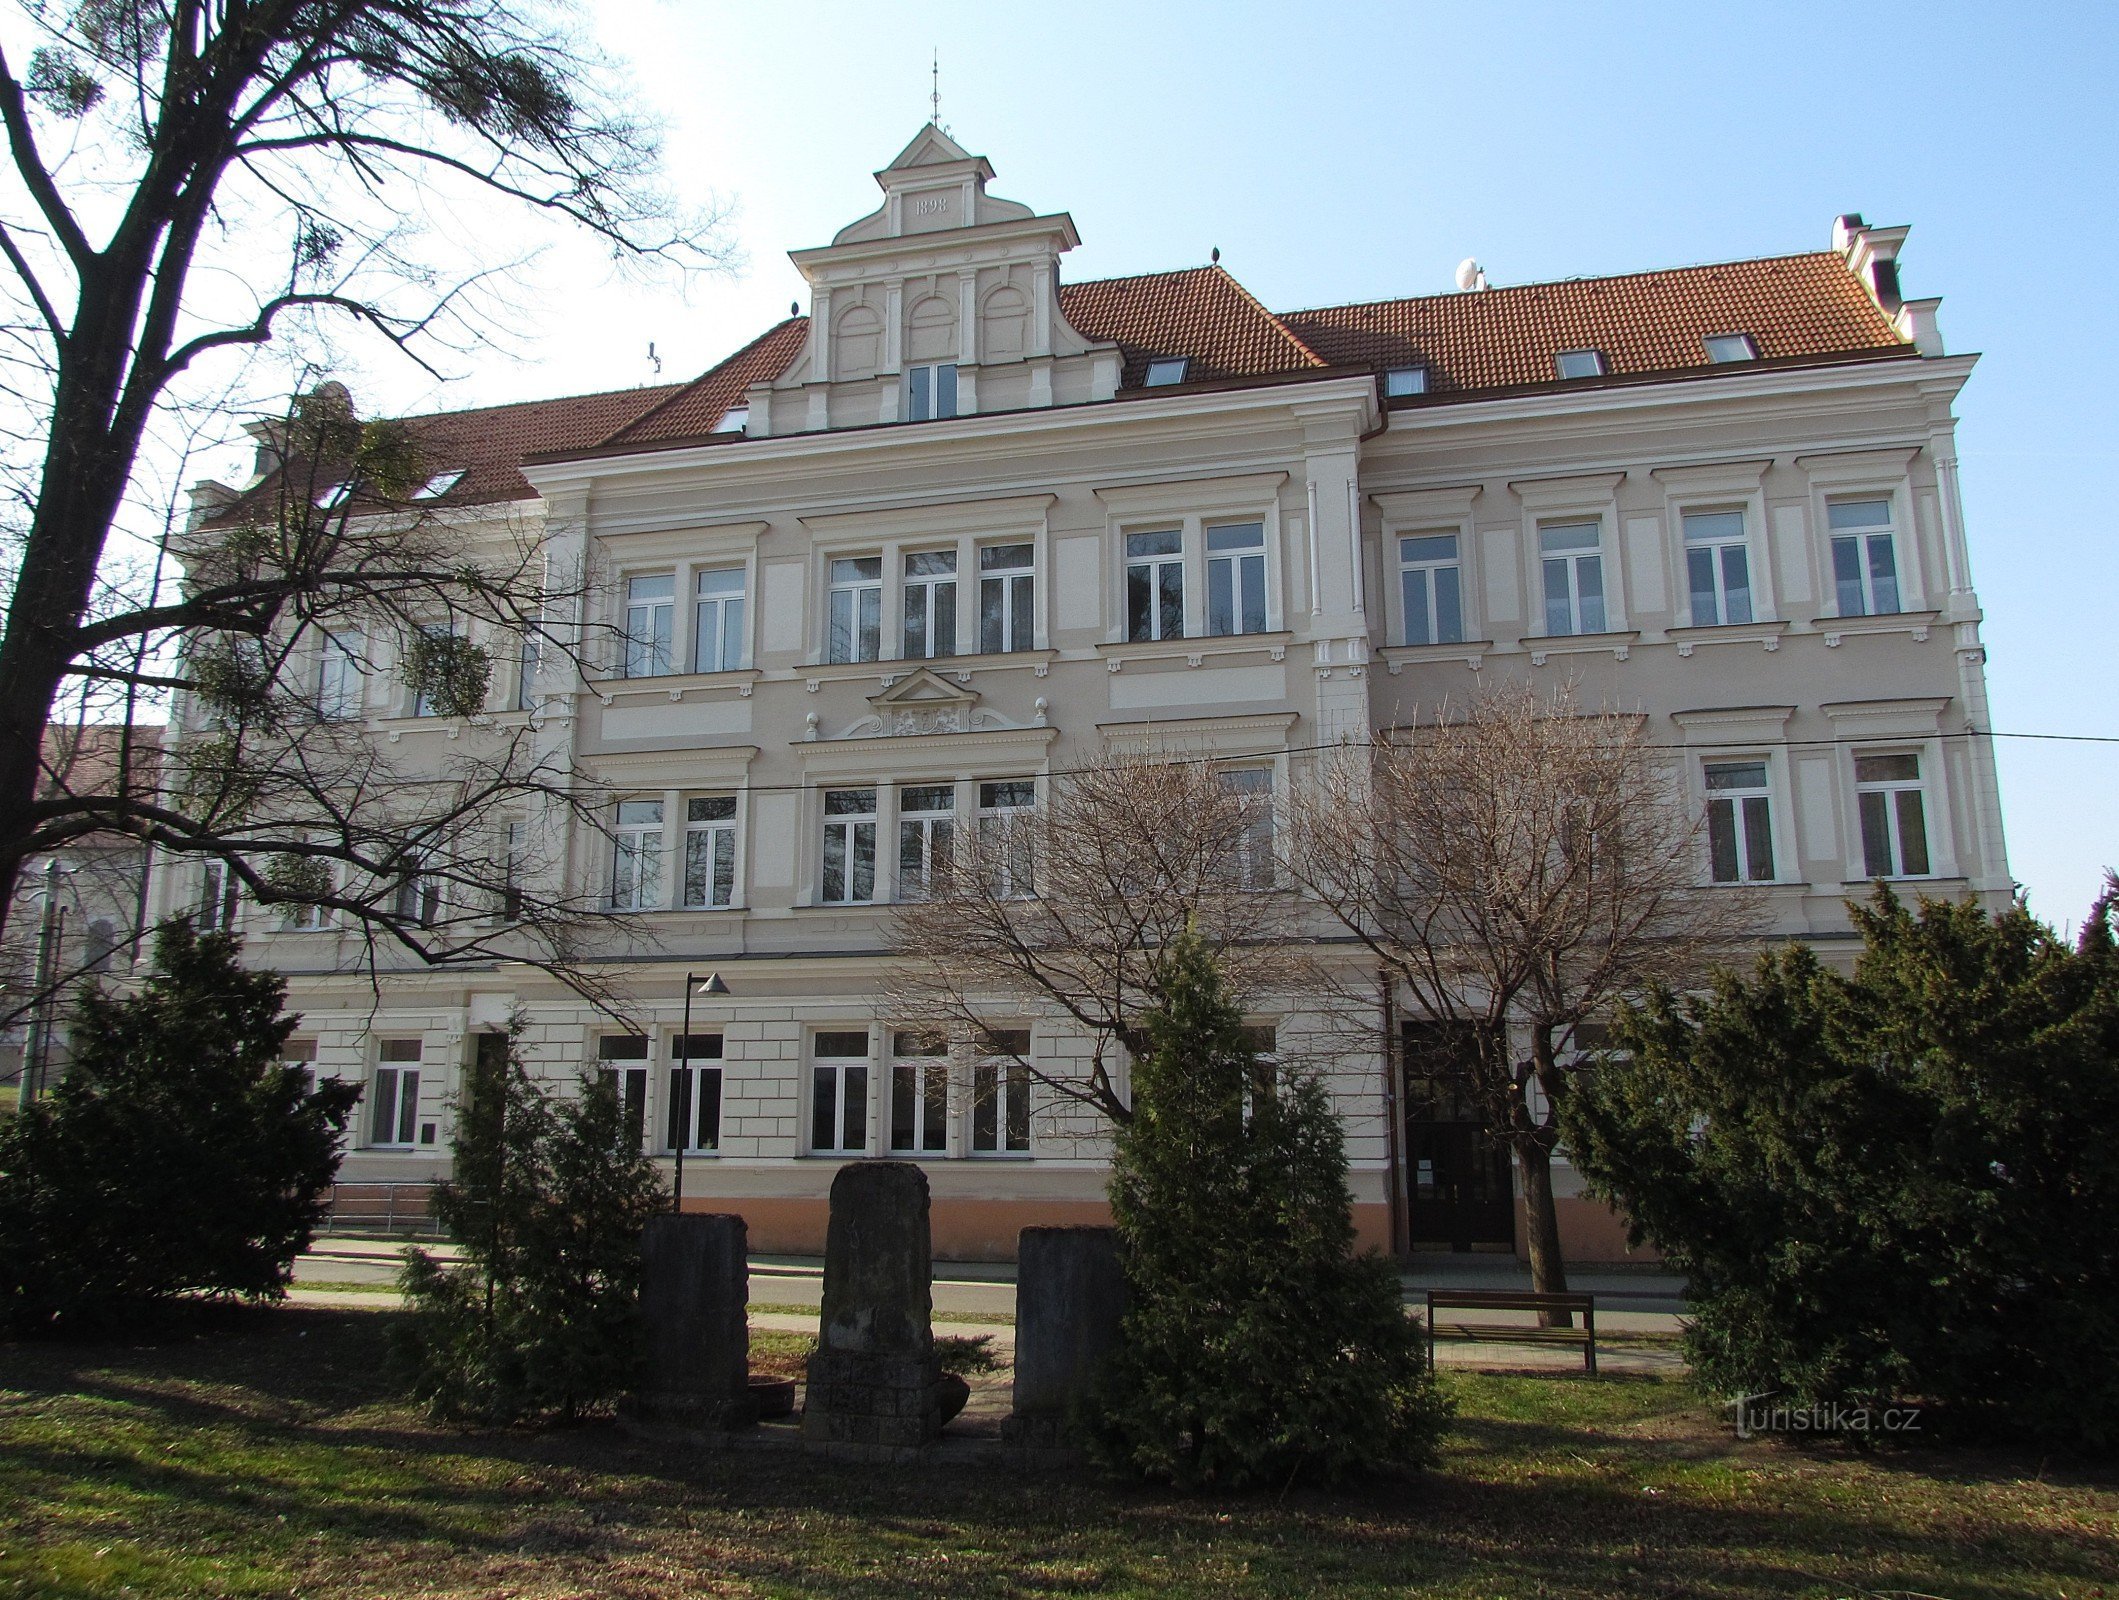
(1513, 1332)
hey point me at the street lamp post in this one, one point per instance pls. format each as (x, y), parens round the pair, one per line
(692, 984)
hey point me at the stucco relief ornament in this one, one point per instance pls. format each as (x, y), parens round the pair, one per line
(927, 719)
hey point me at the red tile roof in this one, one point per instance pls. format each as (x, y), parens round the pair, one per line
(1797, 309)
(1806, 307)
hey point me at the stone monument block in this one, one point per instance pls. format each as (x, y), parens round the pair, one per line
(694, 1288)
(1070, 1299)
(874, 1382)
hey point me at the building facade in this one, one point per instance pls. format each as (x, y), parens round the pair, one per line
(883, 572)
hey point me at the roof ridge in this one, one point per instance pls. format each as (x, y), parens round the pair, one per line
(1556, 283)
(1271, 316)
(685, 390)
(543, 400)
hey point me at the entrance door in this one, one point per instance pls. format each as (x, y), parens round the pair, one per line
(1461, 1196)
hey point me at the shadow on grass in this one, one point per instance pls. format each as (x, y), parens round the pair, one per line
(280, 1438)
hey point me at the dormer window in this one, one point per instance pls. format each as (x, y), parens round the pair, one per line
(1402, 381)
(1579, 363)
(930, 392)
(734, 420)
(1723, 348)
(1166, 370)
(337, 495)
(438, 485)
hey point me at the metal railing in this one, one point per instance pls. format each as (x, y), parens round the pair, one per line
(396, 1210)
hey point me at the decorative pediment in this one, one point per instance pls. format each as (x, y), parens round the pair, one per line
(923, 701)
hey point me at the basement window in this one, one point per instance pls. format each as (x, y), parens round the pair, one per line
(1579, 363)
(1726, 347)
(1167, 369)
(1401, 381)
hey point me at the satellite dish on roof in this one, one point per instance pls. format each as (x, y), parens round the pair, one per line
(1469, 274)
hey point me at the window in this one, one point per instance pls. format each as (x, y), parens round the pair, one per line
(514, 845)
(926, 835)
(636, 856)
(930, 392)
(849, 847)
(838, 1094)
(650, 614)
(1007, 598)
(1000, 1094)
(1155, 584)
(1167, 369)
(338, 677)
(624, 1057)
(335, 496)
(930, 604)
(442, 638)
(1402, 381)
(219, 895)
(438, 485)
(418, 899)
(717, 620)
(919, 1093)
(1864, 559)
(734, 420)
(1005, 837)
(299, 1051)
(710, 851)
(1723, 348)
(694, 1121)
(1579, 363)
(1431, 582)
(1574, 576)
(526, 660)
(393, 1098)
(1718, 567)
(1236, 578)
(856, 609)
(1251, 864)
(1894, 827)
(1739, 822)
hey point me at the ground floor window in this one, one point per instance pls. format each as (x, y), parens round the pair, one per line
(695, 1092)
(393, 1096)
(624, 1056)
(1000, 1094)
(838, 1103)
(919, 1093)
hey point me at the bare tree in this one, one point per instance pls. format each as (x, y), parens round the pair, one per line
(191, 177)
(1069, 910)
(1519, 865)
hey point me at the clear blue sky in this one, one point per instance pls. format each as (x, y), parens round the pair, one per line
(1347, 152)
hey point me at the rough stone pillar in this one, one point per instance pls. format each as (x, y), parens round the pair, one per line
(874, 1383)
(1070, 1297)
(694, 1288)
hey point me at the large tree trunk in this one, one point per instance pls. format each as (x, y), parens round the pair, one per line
(1541, 1222)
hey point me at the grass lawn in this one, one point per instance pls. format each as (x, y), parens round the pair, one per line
(267, 1456)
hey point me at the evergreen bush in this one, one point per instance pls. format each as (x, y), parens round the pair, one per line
(178, 1155)
(1894, 1187)
(540, 1316)
(1258, 1347)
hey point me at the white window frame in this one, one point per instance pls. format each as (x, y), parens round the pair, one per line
(1597, 365)
(220, 898)
(999, 1080)
(1244, 568)
(1401, 383)
(1006, 836)
(417, 898)
(855, 588)
(638, 840)
(1716, 548)
(1727, 349)
(633, 1070)
(1256, 861)
(847, 1097)
(1738, 802)
(926, 1064)
(930, 832)
(931, 392)
(1427, 569)
(716, 838)
(698, 1070)
(418, 703)
(405, 1075)
(1862, 539)
(1571, 560)
(341, 675)
(652, 653)
(920, 597)
(730, 609)
(1156, 564)
(1010, 582)
(847, 826)
(1163, 371)
(514, 844)
(1921, 785)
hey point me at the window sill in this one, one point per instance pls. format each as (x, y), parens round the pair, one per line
(1688, 639)
(1619, 642)
(1194, 651)
(674, 685)
(1472, 652)
(1916, 623)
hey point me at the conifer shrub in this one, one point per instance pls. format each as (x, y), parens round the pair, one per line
(178, 1155)
(540, 1315)
(1257, 1348)
(1895, 1187)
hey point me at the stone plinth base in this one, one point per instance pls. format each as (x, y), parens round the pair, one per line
(863, 1398)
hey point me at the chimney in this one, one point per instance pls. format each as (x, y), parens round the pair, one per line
(1872, 256)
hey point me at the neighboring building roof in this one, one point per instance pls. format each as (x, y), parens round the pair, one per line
(1200, 312)
(97, 757)
(1796, 308)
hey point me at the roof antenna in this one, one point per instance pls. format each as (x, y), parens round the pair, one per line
(934, 94)
(657, 360)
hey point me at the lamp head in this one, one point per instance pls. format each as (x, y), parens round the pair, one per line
(711, 985)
